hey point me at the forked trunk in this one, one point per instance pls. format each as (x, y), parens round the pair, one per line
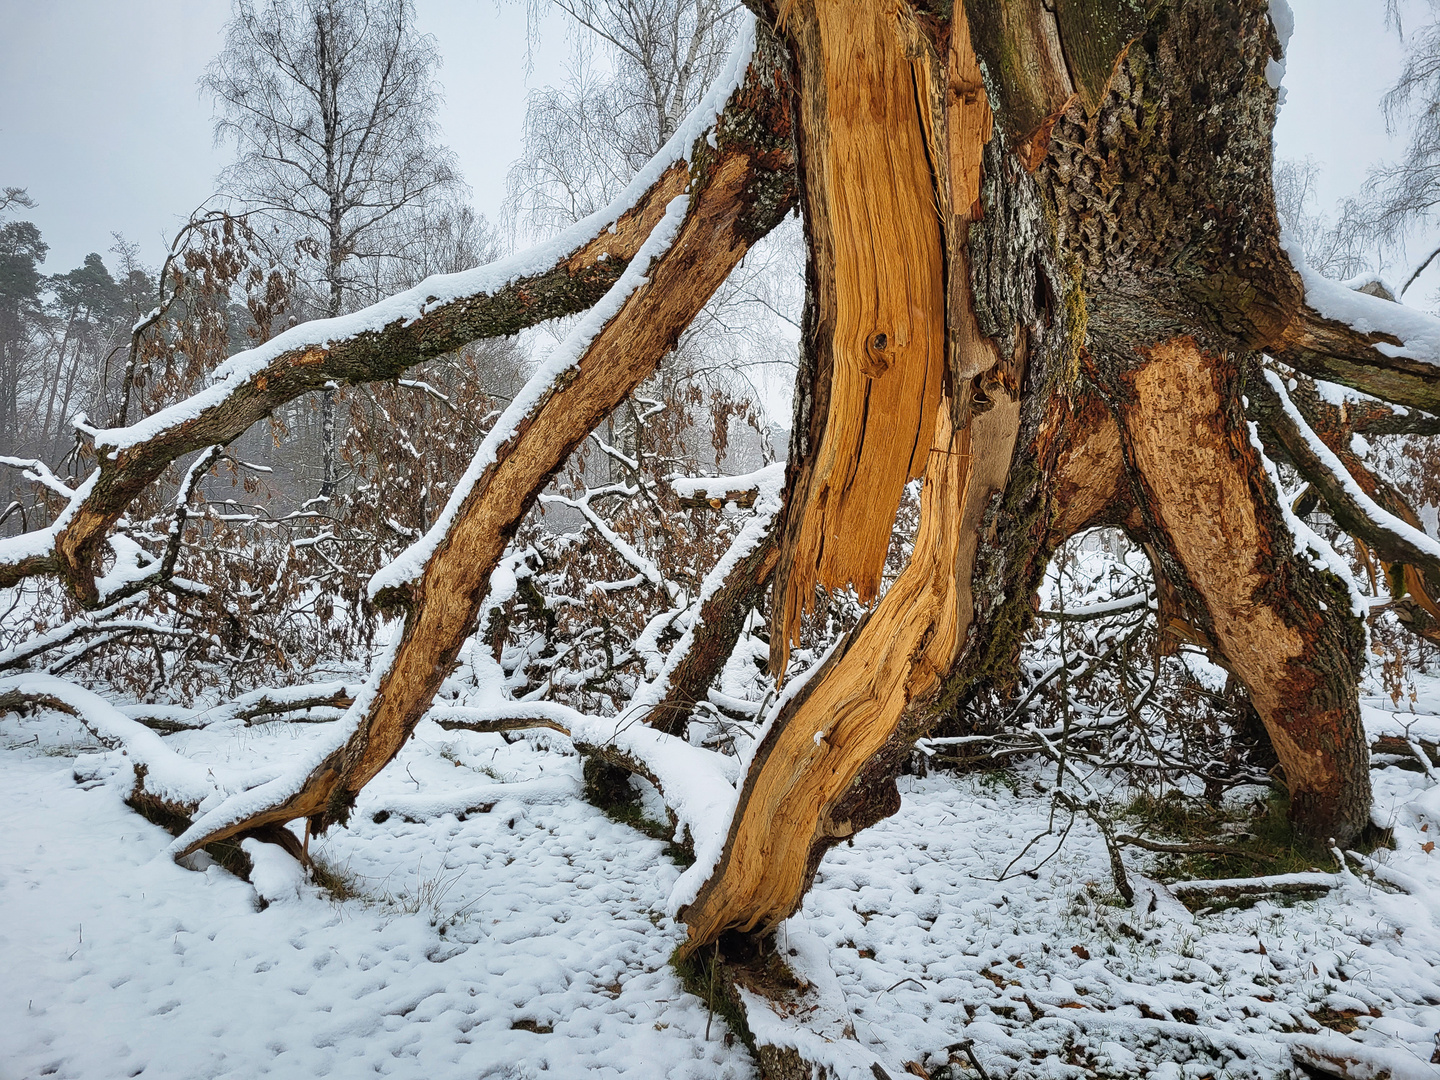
(1102, 296)
(1051, 312)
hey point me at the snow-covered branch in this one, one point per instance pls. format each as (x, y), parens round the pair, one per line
(1395, 539)
(1377, 346)
(559, 277)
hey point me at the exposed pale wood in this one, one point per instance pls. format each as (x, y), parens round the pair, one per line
(871, 214)
(894, 660)
(968, 127)
(1211, 508)
(1090, 483)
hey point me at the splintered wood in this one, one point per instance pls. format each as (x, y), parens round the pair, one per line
(872, 213)
(896, 657)
(1200, 476)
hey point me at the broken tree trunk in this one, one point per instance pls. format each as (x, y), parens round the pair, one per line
(875, 314)
(1125, 220)
(1044, 260)
(825, 766)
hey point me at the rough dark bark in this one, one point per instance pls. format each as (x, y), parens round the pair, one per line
(1164, 207)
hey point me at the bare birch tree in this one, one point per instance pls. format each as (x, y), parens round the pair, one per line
(331, 107)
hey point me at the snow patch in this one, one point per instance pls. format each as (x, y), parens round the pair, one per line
(274, 873)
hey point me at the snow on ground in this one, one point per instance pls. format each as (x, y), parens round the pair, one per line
(1052, 976)
(529, 939)
(541, 915)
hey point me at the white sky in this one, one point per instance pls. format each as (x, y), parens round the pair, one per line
(101, 120)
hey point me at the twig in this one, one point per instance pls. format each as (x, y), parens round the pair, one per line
(1190, 849)
(1091, 810)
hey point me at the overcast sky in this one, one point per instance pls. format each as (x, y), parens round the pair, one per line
(101, 120)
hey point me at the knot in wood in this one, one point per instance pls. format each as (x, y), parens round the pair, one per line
(876, 362)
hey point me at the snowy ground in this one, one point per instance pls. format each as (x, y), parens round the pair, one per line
(528, 939)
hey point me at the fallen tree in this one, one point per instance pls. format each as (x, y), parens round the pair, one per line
(1044, 270)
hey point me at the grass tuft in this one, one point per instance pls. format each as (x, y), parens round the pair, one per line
(1259, 827)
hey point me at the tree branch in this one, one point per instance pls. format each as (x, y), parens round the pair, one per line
(1355, 510)
(1372, 345)
(740, 188)
(438, 316)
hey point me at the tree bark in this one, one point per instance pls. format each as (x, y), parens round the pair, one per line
(1125, 223)
(718, 626)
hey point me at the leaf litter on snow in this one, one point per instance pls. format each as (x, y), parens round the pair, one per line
(483, 920)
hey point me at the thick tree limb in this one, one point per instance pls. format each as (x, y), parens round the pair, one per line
(740, 189)
(561, 277)
(1230, 888)
(732, 588)
(164, 780)
(1336, 352)
(717, 628)
(1382, 419)
(265, 705)
(1373, 345)
(1288, 630)
(1393, 538)
(695, 783)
